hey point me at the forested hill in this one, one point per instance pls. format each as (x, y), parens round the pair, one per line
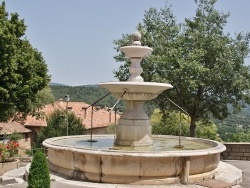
(91, 93)
(88, 94)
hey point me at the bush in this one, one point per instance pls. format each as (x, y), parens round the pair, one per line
(15, 136)
(111, 128)
(8, 151)
(39, 172)
(169, 124)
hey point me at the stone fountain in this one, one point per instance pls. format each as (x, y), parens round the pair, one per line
(134, 156)
(134, 128)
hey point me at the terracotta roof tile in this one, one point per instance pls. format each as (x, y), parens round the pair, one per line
(101, 117)
(11, 127)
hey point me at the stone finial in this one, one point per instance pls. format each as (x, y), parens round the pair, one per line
(136, 37)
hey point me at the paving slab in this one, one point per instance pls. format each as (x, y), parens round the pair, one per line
(228, 173)
(245, 167)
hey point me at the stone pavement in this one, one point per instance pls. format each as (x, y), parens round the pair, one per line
(227, 172)
(245, 167)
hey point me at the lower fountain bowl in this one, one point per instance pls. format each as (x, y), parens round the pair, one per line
(112, 164)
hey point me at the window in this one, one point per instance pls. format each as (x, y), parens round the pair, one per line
(26, 137)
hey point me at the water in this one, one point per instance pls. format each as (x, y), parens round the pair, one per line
(159, 144)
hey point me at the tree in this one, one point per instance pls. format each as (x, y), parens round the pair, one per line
(57, 124)
(205, 65)
(44, 96)
(169, 124)
(39, 172)
(207, 129)
(23, 72)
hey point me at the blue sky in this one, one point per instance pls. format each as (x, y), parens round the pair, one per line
(76, 37)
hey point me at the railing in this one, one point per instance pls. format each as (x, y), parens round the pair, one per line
(92, 112)
(180, 127)
(114, 107)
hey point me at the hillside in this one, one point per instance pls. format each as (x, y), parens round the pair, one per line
(88, 94)
(91, 93)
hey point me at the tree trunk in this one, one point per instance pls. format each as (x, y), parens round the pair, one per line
(192, 127)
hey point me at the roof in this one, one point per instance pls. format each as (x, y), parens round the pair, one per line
(101, 116)
(11, 127)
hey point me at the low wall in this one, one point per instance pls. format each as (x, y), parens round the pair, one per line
(7, 166)
(236, 151)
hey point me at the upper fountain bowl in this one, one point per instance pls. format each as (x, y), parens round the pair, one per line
(136, 90)
(136, 51)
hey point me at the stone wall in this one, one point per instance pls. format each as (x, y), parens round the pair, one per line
(236, 151)
(7, 166)
(24, 144)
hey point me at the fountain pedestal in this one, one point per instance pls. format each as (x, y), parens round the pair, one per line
(134, 128)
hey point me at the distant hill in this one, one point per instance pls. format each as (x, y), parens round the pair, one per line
(88, 94)
(90, 85)
(56, 84)
(91, 93)
(59, 84)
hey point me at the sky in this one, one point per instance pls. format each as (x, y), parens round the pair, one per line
(76, 37)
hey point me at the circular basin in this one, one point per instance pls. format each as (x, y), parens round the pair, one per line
(101, 161)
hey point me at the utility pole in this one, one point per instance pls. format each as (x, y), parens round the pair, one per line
(66, 99)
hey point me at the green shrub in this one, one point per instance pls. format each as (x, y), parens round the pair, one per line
(111, 128)
(39, 172)
(15, 136)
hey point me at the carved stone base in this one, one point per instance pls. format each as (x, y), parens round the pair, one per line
(134, 128)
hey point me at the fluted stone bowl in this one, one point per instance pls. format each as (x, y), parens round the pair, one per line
(135, 90)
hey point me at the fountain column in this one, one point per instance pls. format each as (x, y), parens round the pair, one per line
(134, 128)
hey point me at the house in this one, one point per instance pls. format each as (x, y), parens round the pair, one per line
(11, 127)
(97, 123)
(101, 118)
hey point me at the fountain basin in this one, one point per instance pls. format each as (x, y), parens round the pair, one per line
(125, 166)
(136, 51)
(140, 91)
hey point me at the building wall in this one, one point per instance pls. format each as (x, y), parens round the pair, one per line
(236, 151)
(24, 144)
(101, 130)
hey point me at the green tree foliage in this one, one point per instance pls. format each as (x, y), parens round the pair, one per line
(44, 97)
(169, 124)
(241, 137)
(111, 128)
(236, 127)
(23, 72)
(207, 129)
(39, 172)
(205, 65)
(57, 126)
(172, 122)
(15, 136)
(234, 132)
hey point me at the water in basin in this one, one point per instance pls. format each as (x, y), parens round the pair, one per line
(107, 143)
